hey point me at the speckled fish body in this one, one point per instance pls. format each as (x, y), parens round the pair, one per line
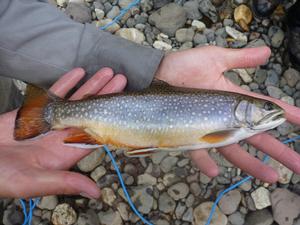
(165, 117)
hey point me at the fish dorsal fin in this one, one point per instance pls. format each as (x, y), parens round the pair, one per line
(79, 138)
(140, 152)
(218, 136)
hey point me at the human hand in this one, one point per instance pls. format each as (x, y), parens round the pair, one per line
(203, 68)
(38, 167)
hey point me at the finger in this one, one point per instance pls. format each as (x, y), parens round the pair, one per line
(276, 150)
(67, 82)
(46, 182)
(203, 161)
(117, 84)
(94, 84)
(242, 159)
(246, 57)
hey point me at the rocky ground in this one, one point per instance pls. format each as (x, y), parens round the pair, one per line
(168, 188)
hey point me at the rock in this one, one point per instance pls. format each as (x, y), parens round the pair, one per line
(208, 9)
(169, 18)
(256, 43)
(236, 219)
(98, 173)
(236, 35)
(195, 189)
(260, 76)
(200, 39)
(159, 156)
(170, 178)
(160, 3)
(63, 214)
(244, 75)
(192, 11)
(123, 210)
(202, 211)
(146, 5)
(272, 78)
(180, 209)
(200, 26)
(188, 215)
(131, 34)
(110, 217)
(233, 77)
(261, 198)
(296, 178)
(79, 12)
(143, 198)
(259, 217)
(292, 77)
(165, 203)
(274, 92)
(99, 14)
(178, 191)
(11, 216)
(184, 34)
(146, 179)
(112, 29)
(162, 45)
(276, 35)
(243, 16)
(168, 163)
(124, 3)
(90, 217)
(229, 203)
(285, 206)
(183, 162)
(91, 161)
(108, 196)
(113, 12)
(61, 3)
(220, 41)
(285, 128)
(204, 179)
(48, 202)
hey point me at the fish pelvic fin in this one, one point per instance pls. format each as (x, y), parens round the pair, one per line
(218, 136)
(30, 121)
(81, 139)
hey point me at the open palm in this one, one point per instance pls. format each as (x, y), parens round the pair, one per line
(203, 68)
(39, 167)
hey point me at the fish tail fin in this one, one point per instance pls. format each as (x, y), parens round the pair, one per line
(30, 121)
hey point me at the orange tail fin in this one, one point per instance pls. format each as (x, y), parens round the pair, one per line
(30, 120)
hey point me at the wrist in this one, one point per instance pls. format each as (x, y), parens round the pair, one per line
(163, 70)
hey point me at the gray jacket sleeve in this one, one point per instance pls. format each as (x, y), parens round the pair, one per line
(38, 43)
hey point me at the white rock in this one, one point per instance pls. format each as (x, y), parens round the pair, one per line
(61, 3)
(108, 196)
(201, 214)
(146, 179)
(261, 198)
(244, 75)
(236, 35)
(99, 14)
(123, 210)
(162, 45)
(112, 29)
(48, 202)
(284, 173)
(200, 26)
(131, 34)
(63, 214)
(98, 173)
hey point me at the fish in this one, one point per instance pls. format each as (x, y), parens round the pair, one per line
(159, 118)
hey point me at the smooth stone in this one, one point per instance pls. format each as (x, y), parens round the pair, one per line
(236, 218)
(99, 172)
(91, 161)
(168, 163)
(292, 77)
(99, 14)
(261, 198)
(296, 178)
(48, 202)
(229, 203)
(244, 75)
(259, 217)
(235, 34)
(180, 209)
(165, 203)
(184, 34)
(143, 198)
(195, 188)
(160, 3)
(123, 209)
(110, 217)
(199, 25)
(131, 34)
(162, 45)
(188, 215)
(200, 39)
(233, 77)
(285, 128)
(288, 99)
(146, 179)
(112, 29)
(275, 92)
(11, 216)
(285, 206)
(79, 12)
(63, 214)
(178, 191)
(204, 179)
(124, 3)
(276, 35)
(115, 10)
(208, 9)
(192, 11)
(108, 196)
(169, 18)
(260, 76)
(146, 5)
(202, 211)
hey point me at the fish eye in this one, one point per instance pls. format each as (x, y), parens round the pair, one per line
(268, 106)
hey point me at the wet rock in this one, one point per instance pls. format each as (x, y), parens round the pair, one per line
(275, 92)
(230, 202)
(200, 26)
(112, 29)
(178, 191)
(90, 217)
(202, 211)
(261, 198)
(63, 214)
(115, 10)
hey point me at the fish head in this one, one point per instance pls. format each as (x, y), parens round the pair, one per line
(259, 115)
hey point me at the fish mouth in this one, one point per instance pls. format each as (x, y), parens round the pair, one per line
(270, 121)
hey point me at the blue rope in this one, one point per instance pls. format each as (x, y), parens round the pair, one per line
(122, 13)
(265, 159)
(124, 187)
(32, 205)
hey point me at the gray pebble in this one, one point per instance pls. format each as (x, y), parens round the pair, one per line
(168, 163)
(272, 78)
(165, 203)
(276, 35)
(236, 218)
(200, 39)
(79, 12)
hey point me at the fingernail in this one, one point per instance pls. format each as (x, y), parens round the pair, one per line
(85, 195)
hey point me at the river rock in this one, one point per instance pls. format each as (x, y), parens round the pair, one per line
(91, 161)
(79, 12)
(178, 191)
(259, 217)
(48, 202)
(110, 217)
(63, 214)
(229, 203)
(165, 203)
(261, 198)
(292, 77)
(131, 34)
(285, 174)
(143, 198)
(184, 34)
(202, 211)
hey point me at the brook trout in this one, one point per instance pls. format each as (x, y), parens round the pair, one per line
(161, 117)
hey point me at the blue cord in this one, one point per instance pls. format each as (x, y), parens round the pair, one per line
(28, 216)
(122, 13)
(265, 159)
(124, 187)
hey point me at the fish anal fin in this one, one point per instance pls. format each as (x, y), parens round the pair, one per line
(140, 152)
(217, 137)
(80, 136)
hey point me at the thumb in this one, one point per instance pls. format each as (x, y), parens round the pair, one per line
(45, 182)
(246, 57)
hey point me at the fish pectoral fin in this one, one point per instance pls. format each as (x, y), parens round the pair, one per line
(218, 136)
(140, 152)
(79, 138)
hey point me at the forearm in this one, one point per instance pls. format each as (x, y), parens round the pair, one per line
(43, 43)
